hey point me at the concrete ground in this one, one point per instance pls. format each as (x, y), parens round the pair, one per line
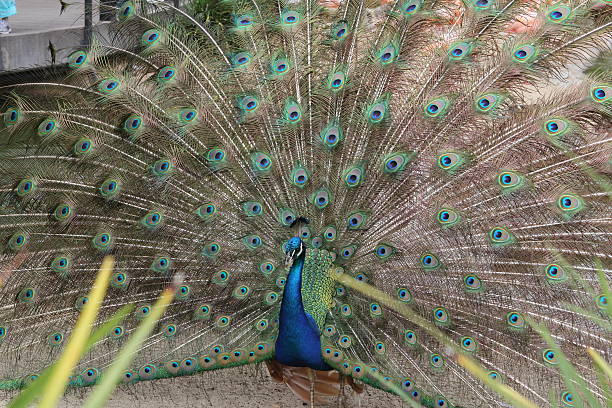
(36, 24)
(240, 387)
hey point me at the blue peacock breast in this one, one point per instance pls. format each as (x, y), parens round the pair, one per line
(307, 297)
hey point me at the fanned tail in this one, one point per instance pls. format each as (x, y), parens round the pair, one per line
(403, 147)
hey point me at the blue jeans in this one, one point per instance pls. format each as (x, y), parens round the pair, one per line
(7, 8)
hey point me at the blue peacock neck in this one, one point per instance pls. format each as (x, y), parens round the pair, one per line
(299, 342)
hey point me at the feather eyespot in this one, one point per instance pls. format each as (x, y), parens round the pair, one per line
(510, 180)
(436, 360)
(602, 301)
(601, 93)
(126, 11)
(18, 241)
(252, 208)
(450, 161)
(119, 280)
(387, 54)
(110, 188)
(305, 233)
(221, 277)
(152, 220)
(395, 163)
(299, 176)
(384, 251)
(568, 399)
(570, 204)
(203, 312)
(147, 372)
(109, 86)
(161, 264)
(211, 250)
(243, 20)
(430, 261)
(404, 295)
(437, 107)
(83, 147)
(241, 59)
(410, 337)
(345, 341)
(261, 325)
(223, 321)
(468, 344)
(151, 38)
(336, 80)
(117, 332)
(166, 74)
(142, 312)
(162, 168)
(183, 292)
(206, 211)
(447, 217)
(550, 356)
(375, 310)
(356, 220)
(241, 292)
(270, 298)
(410, 7)
(55, 339)
(331, 135)
(216, 157)
(103, 241)
(558, 14)
(353, 176)
(329, 234)
(290, 17)
(472, 283)
(280, 66)
(169, 330)
(377, 112)
(48, 127)
(248, 104)
(500, 237)
(441, 316)
(77, 59)
(459, 50)
(286, 217)
(339, 31)
(262, 163)
(61, 265)
(555, 273)
(516, 320)
(524, 53)
(12, 116)
(25, 187)
(346, 310)
(321, 198)
(89, 375)
(266, 268)
(347, 252)
(63, 212)
(252, 241)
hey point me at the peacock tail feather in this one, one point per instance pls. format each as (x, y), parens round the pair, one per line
(402, 148)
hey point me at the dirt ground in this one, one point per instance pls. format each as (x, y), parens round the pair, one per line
(240, 387)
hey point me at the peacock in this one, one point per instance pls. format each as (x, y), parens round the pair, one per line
(295, 153)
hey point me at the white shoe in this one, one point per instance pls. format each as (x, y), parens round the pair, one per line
(4, 27)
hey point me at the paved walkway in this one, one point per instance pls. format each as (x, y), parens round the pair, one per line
(35, 16)
(38, 23)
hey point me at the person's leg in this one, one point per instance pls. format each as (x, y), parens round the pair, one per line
(4, 26)
(7, 8)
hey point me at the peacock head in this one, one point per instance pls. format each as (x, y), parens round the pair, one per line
(293, 249)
